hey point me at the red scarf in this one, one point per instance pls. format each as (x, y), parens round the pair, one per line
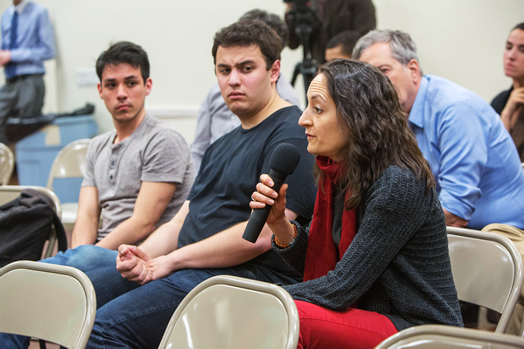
(322, 254)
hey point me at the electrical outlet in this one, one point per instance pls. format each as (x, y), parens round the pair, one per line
(86, 77)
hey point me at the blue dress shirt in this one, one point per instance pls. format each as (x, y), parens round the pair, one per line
(34, 39)
(473, 159)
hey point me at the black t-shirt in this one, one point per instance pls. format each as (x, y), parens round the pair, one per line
(231, 168)
(499, 102)
(517, 133)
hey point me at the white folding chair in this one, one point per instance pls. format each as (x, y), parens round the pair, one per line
(487, 270)
(233, 312)
(7, 164)
(70, 162)
(11, 192)
(439, 336)
(50, 302)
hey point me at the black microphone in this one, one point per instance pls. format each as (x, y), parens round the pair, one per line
(283, 162)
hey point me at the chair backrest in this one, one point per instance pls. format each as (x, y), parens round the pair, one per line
(50, 302)
(487, 270)
(11, 192)
(69, 162)
(7, 164)
(232, 312)
(439, 336)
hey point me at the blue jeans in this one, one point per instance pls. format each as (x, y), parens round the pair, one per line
(96, 263)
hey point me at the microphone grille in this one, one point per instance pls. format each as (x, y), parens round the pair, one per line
(285, 158)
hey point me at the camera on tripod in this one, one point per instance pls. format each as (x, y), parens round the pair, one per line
(306, 23)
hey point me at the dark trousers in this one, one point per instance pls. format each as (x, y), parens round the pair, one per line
(22, 96)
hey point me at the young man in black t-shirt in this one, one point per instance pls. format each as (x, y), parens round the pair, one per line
(205, 237)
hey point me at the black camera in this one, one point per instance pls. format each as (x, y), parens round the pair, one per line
(306, 23)
(304, 19)
(297, 2)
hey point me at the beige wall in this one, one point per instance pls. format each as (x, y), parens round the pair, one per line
(461, 40)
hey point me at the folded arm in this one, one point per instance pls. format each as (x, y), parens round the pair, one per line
(463, 145)
(224, 249)
(454, 221)
(513, 108)
(151, 203)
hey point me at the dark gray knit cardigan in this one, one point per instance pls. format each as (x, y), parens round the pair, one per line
(398, 263)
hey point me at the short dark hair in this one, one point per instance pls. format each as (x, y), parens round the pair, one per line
(124, 52)
(519, 26)
(347, 39)
(249, 32)
(271, 19)
(369, 115)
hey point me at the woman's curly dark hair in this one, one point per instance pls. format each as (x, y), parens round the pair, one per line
(371, 118)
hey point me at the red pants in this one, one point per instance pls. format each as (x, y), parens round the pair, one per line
(352, 328)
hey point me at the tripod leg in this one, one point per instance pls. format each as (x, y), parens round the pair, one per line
(296, 71)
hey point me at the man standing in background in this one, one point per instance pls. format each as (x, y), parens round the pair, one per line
(334, 17)
(27, 41)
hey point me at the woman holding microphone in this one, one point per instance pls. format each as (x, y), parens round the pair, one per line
(375, 257)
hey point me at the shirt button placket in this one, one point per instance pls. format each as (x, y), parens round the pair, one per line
(112, 165)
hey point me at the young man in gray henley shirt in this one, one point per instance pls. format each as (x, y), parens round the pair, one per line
(137, 175)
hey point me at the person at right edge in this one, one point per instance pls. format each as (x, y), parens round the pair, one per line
(334, 17)
(510, 103)
(375, 257)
